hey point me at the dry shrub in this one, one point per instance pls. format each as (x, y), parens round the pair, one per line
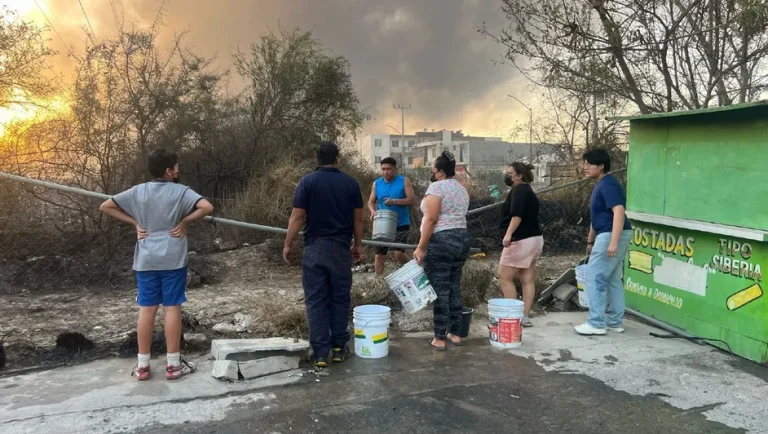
(268, 198)
(476, 278)
(280, 317)
(372, 290)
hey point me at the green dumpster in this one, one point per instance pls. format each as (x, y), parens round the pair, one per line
(697, 196)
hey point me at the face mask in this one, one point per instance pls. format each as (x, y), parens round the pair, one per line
(176, 180)
(433, 179)
(508, 180)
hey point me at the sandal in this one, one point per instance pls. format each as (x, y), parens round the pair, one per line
(142, 374)
(176, 372)
(458, 344)
(435, 347)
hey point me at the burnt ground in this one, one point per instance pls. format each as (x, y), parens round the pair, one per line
(99, 321)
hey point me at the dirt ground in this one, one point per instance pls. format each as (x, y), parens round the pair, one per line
(249, 280)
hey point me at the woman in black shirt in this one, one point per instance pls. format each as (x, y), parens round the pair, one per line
(523, 242)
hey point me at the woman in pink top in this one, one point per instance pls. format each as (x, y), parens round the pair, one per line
(444, 247)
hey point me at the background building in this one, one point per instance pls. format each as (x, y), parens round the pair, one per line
(484, 157)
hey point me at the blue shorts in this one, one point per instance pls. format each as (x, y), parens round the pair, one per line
(166, 287)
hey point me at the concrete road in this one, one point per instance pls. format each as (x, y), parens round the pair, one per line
(557, 382)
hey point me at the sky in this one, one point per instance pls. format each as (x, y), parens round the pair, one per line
(423, 53)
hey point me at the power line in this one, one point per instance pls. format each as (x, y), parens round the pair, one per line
(82, 8)
(69, 47)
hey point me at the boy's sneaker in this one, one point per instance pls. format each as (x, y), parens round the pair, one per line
(526, 322)
(617, 329)
(176, 372)
(142, 374)
(588, 329)
(319, 365)
(339, 354)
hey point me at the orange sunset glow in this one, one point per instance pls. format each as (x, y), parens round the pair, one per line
(453, 78)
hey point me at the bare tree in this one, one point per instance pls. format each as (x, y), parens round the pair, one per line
(23, 57)
(658, 55)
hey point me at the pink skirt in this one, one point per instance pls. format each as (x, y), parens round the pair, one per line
(523, 253)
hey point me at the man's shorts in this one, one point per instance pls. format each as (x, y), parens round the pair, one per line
(166, 287)
(401, 237)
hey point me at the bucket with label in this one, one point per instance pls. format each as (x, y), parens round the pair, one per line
(581, 285)
(411, 286)
(504, 328)
(371, 331)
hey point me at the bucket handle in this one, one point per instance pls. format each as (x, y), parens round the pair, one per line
(369, 321)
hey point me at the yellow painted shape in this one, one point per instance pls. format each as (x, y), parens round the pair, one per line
(739, 299)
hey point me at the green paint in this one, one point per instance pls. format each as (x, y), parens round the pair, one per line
(705, 165)
(706, 284)
(708, 167)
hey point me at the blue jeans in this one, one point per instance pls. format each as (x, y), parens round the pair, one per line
(605, 288)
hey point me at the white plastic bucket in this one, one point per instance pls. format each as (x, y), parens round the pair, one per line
(371, 331)
(504, 328)
(581, 285)
(384, 225)
(411, 286)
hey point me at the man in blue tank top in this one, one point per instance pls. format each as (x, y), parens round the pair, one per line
(395, 193)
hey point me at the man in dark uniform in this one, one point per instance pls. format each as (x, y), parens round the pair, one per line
(331, 204)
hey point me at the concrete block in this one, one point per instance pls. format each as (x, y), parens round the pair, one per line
(243, 350)
(225, 370)
(564, 292)
(194, 338)
(267, 366)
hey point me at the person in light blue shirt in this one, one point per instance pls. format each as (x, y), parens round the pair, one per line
(395, 193)
(607, 245)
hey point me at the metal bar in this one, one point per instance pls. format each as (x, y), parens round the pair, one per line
(662, 325)
(211, 219)
(542, 191)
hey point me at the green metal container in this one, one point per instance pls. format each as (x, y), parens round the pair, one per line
(697, 196)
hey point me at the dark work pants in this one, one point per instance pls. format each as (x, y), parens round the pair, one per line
(327, 276)
(446, 254)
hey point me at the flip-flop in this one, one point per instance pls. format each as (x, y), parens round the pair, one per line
(436, 348)
(450, 341)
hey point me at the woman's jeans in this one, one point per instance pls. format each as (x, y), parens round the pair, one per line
(446, 254)
(604, 284)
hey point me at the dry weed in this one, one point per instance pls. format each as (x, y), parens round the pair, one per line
(476, 278)
(372, 290)
(280, 317)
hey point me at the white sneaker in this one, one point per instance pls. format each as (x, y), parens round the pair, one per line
(616, 329)
(587, 329)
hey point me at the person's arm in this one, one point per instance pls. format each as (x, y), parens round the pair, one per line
(619, 214)
(372, 200)
(613, 196)
(295, 223)
(517, 205)
(203, 208)
(298, 218)
(591, 239)
(410, 196)
(110, 208)
(432, 205)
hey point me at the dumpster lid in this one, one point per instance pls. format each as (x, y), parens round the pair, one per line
(690, 112)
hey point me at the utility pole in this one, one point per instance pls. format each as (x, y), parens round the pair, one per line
(402, 109)
(530, 129)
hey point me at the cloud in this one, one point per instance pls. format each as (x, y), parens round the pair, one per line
(426, 53)
(396, 21)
